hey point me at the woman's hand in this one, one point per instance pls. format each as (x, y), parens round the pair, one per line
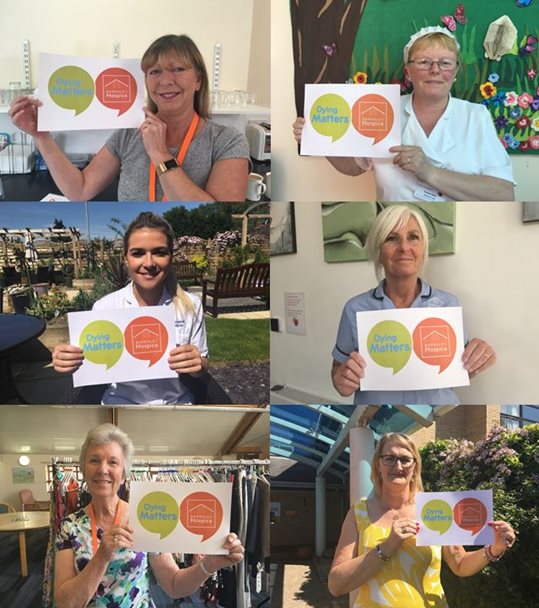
(413, 159)
(297, 127)
(400, 530)
(185, 359)
(347, 376)
(212, 563)
(23, 112)
(117, 537)
(504, 537)
(154, 136)
(478, 356)
(67, 358)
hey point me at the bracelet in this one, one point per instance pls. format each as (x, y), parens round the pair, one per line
(490, 557)
(206, 572)
(381, 556)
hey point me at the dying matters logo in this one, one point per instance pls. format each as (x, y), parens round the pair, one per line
(201, 513)
(433, 341)
(390, 345)
(103, 342)
(371, 115)
(73, 88)
(157, 512)
(468, 514)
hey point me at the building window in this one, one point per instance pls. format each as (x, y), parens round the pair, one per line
(517, 416)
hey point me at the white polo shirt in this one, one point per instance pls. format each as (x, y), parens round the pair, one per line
(163, 390)
(463, 140)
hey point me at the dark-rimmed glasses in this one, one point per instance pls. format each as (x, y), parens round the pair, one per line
(389, 460)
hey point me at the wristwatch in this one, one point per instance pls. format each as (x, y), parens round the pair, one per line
(167, 166)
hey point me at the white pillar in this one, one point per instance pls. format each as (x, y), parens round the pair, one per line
(320, 516)
(361, 451)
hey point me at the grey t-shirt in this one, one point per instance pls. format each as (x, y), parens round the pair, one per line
(215, 142)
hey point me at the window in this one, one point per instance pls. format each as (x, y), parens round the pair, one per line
(517, 416)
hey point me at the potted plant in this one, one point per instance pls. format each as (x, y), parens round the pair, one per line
(68, 274)
(20, 296)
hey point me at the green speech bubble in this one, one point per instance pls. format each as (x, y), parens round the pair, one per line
(157, 512)
(437, 515)
(72, 88)
(390, 345)
(102, 342)
(330, 116)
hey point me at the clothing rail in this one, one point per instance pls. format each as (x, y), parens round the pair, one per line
(199, 463)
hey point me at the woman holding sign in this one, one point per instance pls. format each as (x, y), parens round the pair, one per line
(397, 243)
(377, 553)
(148, 248)
(450, 149)
(177, 154)
(94, 563)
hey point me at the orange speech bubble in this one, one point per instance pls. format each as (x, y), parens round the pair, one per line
(116, 89)
(435, 342)
(146, 338)
(201, 513)
(470, 514)
(373, 116)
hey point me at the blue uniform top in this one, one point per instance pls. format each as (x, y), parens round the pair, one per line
(346, 343)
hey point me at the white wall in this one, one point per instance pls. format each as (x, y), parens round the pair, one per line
(313, 179)
(492, 273)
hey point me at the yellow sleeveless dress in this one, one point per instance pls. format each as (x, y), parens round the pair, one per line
(411, 579)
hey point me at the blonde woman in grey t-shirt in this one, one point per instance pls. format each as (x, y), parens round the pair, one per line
(177, 154)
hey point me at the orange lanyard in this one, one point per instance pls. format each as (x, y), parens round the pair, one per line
(95, 545)
(152, 194)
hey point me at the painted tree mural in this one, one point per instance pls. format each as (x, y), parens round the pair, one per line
(323, 33)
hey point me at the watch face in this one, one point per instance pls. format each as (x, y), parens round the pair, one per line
(171, 164)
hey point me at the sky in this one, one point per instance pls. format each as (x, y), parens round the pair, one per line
(42, 215)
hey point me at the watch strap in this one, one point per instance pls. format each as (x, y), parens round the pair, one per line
(167, 165)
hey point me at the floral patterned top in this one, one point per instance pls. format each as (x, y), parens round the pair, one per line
(126, 583)
(410, 579)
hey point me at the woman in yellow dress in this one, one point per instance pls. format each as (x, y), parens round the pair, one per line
(377, 552)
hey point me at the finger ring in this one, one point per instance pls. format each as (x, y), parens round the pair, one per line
(116, 539)
(408, 160)
(485, 355)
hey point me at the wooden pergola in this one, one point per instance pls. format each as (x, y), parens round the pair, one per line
(246, 216)
(27, 236)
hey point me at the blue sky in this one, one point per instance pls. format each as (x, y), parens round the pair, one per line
(42, 215)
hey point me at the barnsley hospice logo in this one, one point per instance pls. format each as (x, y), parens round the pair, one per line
(200, 513)
(73, 88)
(434, 342)
(469, 514)
(103, 342)
(372, 116)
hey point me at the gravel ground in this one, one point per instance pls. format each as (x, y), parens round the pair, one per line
(245, 383)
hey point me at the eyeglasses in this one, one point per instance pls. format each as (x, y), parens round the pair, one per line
(443, 64)
(390, 461)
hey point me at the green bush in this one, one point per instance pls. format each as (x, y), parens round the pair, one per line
(53, 304)
(507, 461)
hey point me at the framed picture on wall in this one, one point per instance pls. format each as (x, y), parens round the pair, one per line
(530, 212)
(345, 227)
(282, 229)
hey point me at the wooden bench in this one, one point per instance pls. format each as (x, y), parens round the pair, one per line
(248, 281)
(188, 271)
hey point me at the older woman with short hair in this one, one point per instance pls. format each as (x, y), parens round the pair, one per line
(397, 244)
(94, 564)
(377, 553)
(450, 149)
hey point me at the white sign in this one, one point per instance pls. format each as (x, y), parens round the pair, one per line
(412, 348)
(454, 518)
(295, 313)
(351, 120)
(123, 345)
(88, 93)
(174, 517)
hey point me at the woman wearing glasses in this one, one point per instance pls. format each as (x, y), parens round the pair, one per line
(397, 244)
(377, 553)
(450, 149)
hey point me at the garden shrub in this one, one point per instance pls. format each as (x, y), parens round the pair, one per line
(507, 461)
